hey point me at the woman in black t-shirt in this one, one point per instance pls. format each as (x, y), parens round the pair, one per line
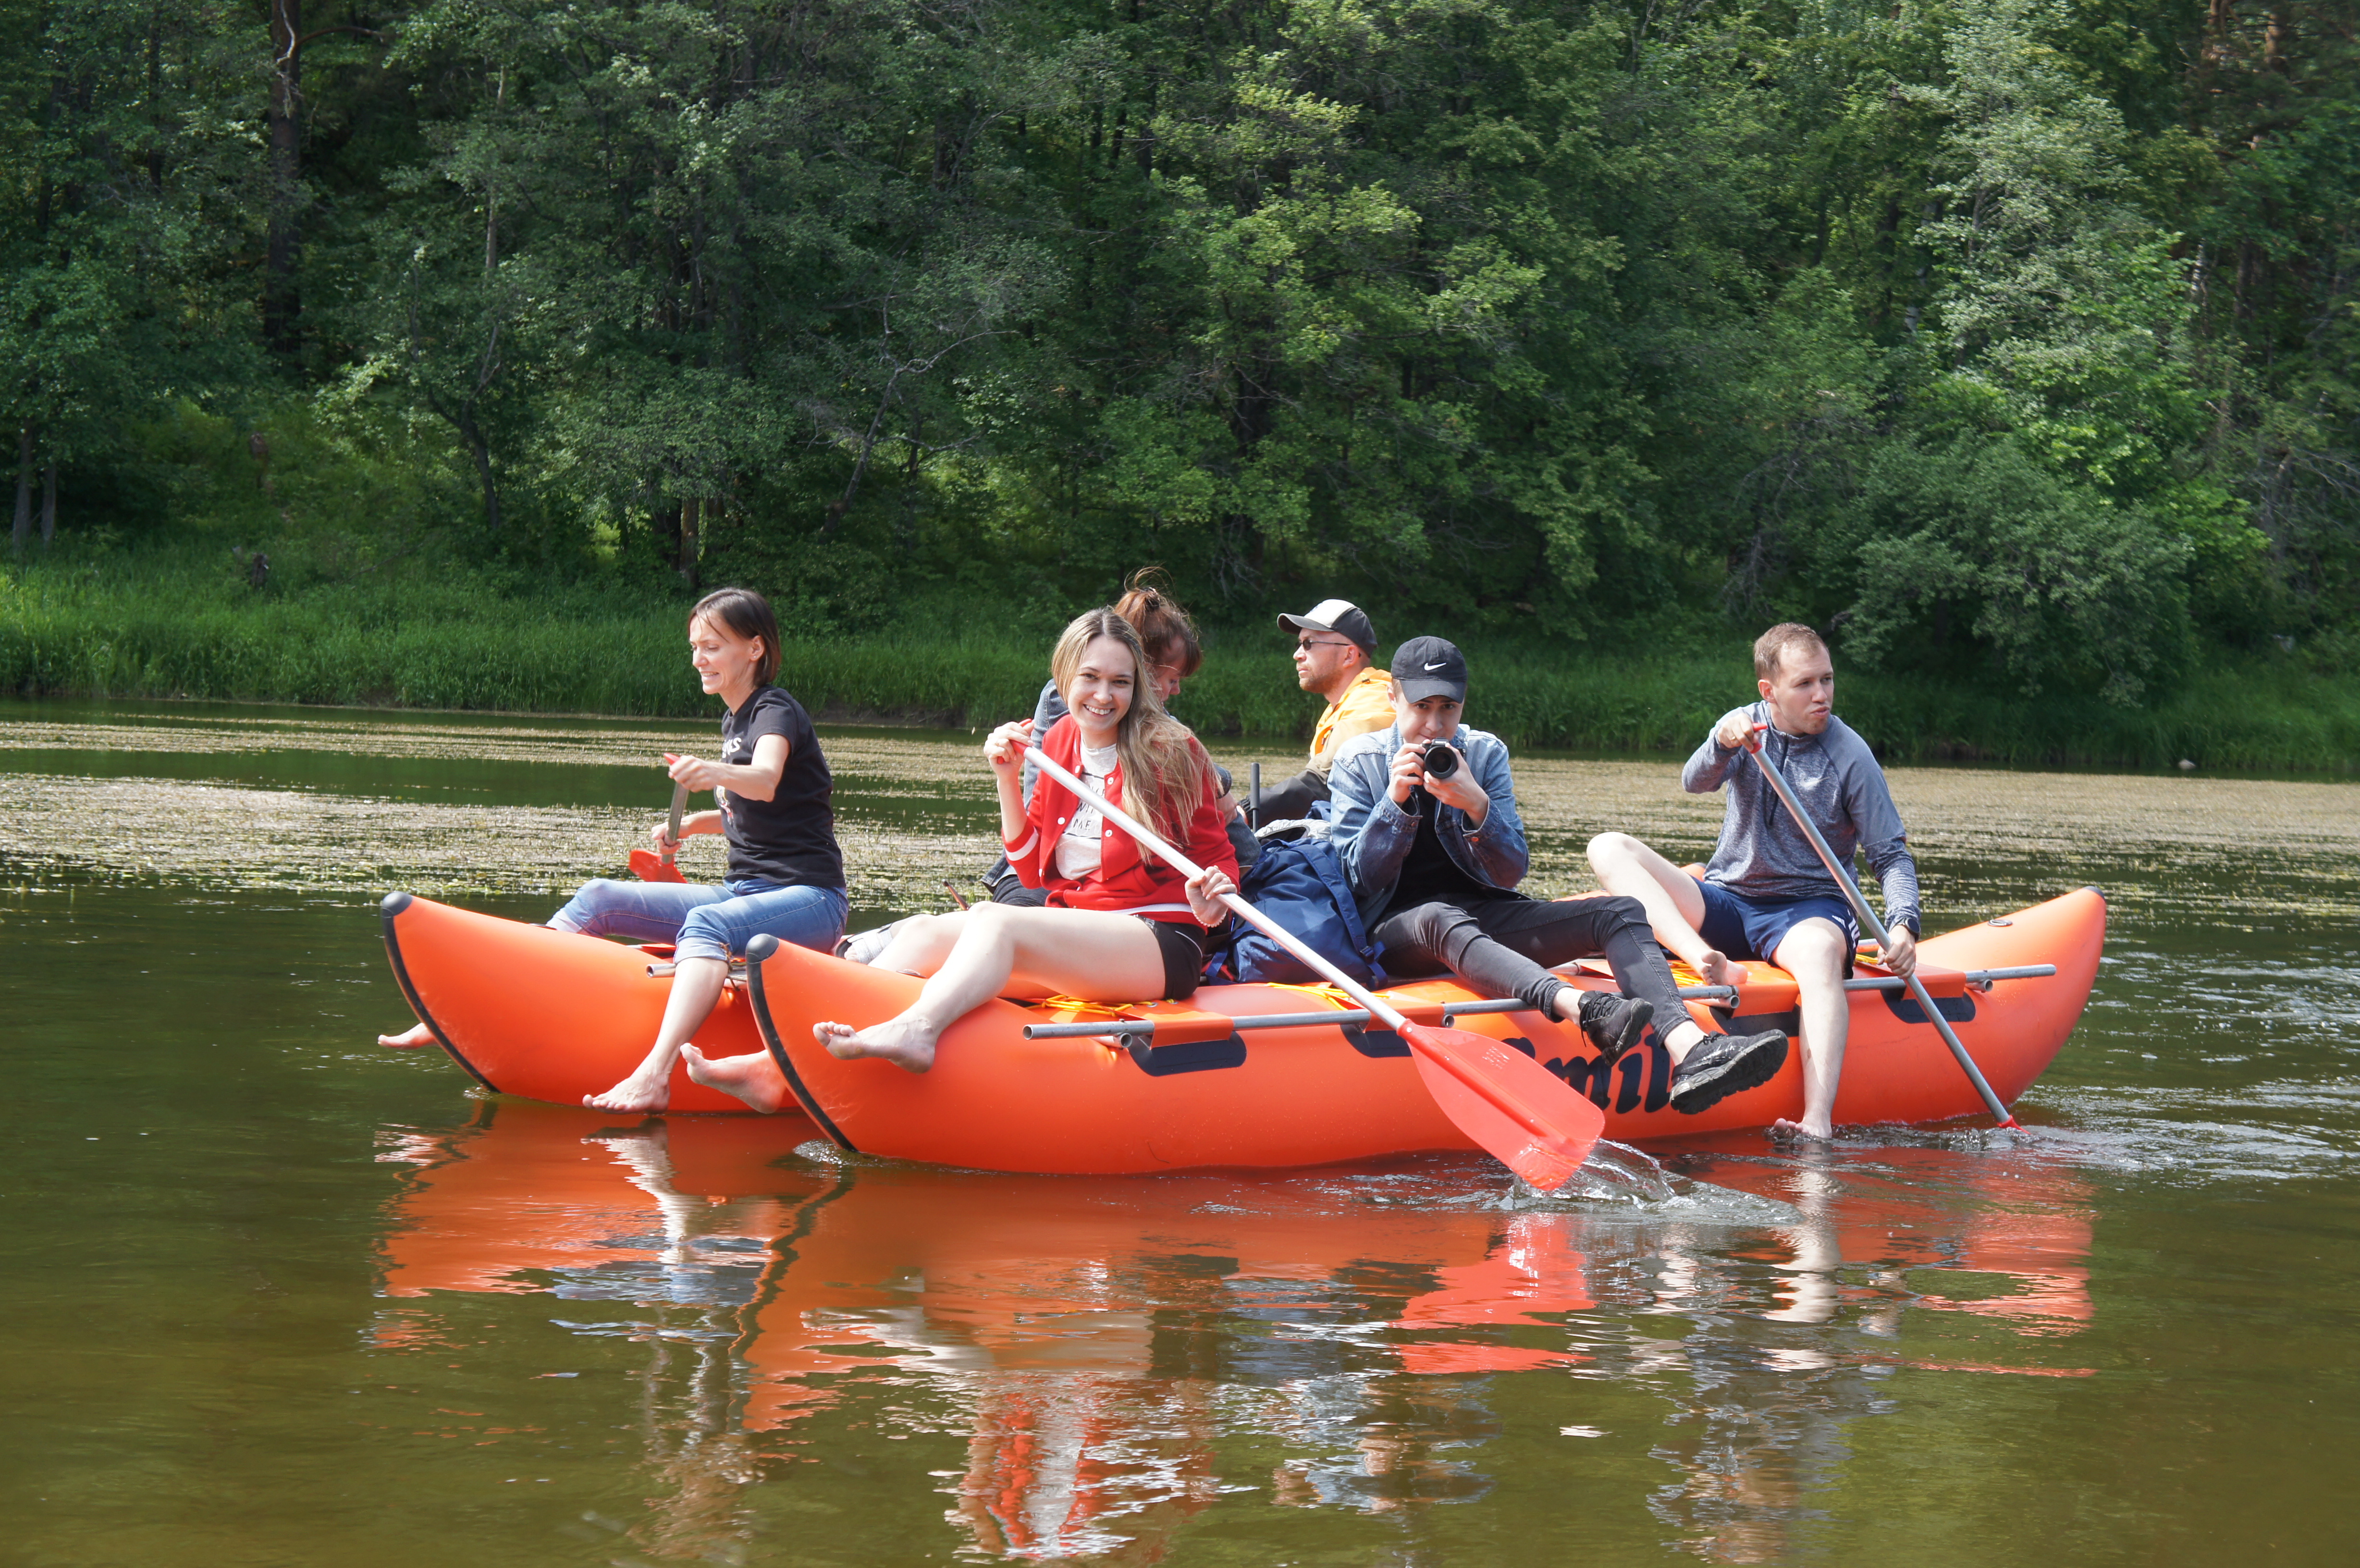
(785, 875)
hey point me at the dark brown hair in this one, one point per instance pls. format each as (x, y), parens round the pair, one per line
(743, 613)
(1162, 625)
(1771, 647)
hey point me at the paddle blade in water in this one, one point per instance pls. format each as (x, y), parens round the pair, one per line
(1508, 1103)
(647, 867)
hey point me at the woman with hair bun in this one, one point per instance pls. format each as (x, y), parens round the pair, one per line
(1117, 925)
(771, 790)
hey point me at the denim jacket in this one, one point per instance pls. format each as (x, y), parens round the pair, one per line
(1371, 836)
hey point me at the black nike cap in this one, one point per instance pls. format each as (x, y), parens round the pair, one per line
(1429, 667)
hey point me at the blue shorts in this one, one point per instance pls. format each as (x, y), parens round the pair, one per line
(1741, 927)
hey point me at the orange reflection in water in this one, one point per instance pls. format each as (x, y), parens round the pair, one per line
(1932, 1217)
(1093, 1338)
(1875, 1232)
(1037, 1298)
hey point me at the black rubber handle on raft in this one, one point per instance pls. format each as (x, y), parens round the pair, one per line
(758, 950)
(390, 910)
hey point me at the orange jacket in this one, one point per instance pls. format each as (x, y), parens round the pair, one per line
(1366, 707)
(1125, 882)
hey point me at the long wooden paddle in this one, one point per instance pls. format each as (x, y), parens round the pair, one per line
(1497, 1095)
(645, 866)
(1875, 927)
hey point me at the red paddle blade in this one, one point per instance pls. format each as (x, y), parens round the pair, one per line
(648, 868)
(1508, 1103)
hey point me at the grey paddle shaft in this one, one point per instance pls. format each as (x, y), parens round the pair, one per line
(679, 804)
(1148, 837)
(1875, 927)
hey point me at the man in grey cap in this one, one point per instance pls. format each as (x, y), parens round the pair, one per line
(1335, 654)
(1426, 825)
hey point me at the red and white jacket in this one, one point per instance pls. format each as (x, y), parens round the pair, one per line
(1125, 883)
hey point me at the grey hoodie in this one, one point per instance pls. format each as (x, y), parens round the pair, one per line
(1762, 855)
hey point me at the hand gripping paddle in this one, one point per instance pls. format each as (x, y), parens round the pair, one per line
(1497, 1095)
(645, 866)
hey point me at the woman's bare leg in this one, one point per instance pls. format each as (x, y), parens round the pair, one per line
(1003, 949)
(1675, 905)
(416, 1035)
(696, 986)
(753, 1077)
(922, 944)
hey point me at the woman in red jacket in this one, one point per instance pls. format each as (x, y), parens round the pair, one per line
(1119, 926)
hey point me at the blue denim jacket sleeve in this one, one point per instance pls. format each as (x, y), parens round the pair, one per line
(1369, 833)
(1496, 852)
(1371, 836)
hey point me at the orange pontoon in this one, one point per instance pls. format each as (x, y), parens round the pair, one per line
(1185, 1086)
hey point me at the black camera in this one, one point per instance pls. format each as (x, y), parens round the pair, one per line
(1440, 759)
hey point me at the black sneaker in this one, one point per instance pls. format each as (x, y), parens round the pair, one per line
(1614, 1023)
(1726, 1065)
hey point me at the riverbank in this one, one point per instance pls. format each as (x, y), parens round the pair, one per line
(79, 630)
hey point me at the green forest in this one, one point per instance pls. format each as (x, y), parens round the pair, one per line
(440, 351)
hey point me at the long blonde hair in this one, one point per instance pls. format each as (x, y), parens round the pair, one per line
(1163, 768)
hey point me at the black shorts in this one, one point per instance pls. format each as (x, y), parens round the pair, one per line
(1183, 947)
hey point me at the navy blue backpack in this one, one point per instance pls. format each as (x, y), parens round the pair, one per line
(1299, 883)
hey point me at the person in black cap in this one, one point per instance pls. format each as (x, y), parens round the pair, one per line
(1336, 656)
(1425, 827)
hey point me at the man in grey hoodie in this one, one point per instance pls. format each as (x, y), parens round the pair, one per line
(1765, 895)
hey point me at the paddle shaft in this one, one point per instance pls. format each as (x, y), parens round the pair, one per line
(1390, 1017)
(679, 804)
(1476, 1094)
(1875, 927)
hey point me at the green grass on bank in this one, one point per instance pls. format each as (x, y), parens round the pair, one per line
(186, 630)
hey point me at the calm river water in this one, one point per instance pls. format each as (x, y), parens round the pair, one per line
(275, 1296)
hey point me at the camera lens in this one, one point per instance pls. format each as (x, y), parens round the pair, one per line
(1440, 759)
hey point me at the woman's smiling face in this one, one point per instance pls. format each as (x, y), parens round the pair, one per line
(725, 662)
(1101, 690)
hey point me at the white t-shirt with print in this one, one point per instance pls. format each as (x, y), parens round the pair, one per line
(1077, 849)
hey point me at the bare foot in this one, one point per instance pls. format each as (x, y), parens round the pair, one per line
(1715, 969)
(407, 1038)
(639, 1094)
(907, 1041)
(753, 1077)
(1785, 1131)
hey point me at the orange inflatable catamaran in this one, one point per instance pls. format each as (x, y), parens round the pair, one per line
(1238, 1075)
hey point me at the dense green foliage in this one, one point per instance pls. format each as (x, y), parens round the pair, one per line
(2011, 340)
(167, 626)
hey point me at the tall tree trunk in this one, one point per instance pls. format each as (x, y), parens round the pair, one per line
(23, 527)
(283, 120)
(49, 503)
(689, 519)
(483, 451)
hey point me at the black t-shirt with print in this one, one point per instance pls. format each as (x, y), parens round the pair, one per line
(791, 837)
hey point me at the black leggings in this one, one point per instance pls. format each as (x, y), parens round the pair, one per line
(1286, 802)
(1503, 946)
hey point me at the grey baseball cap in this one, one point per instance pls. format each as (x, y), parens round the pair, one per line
(1341, 616)
(1428, 666)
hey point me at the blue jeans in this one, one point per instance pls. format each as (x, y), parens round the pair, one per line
(704, 921)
